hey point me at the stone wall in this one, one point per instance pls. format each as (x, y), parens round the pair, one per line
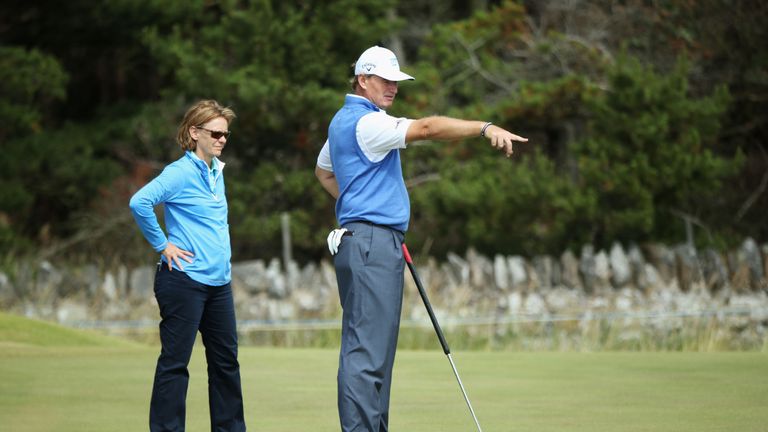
(654, 279)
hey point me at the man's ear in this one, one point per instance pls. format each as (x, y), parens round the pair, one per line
(193, 132)
(362, 81)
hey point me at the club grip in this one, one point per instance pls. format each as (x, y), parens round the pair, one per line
(407, 254)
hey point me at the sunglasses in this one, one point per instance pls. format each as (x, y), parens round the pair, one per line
(215, 134)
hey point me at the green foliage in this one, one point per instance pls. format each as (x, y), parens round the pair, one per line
(257, 201)
(650, 153)
(462, 63)
(92, 94)
(76, 162)
(502, 206)
(529, 205)
(479, 65)
(29, 82)
(281, 65)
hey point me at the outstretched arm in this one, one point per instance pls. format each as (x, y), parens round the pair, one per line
(447, 129)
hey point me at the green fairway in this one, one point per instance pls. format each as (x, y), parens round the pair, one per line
(101, 387)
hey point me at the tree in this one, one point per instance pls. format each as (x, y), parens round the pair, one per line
(499, 67)
(29, 82)
(650, 154)
(284, 68)
(92, 94)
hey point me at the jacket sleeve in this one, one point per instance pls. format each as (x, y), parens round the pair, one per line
(160, 190)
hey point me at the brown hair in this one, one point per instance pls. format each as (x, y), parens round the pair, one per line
(197, 115)
(353, 82)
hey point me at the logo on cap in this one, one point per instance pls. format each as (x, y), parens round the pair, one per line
(369, 66)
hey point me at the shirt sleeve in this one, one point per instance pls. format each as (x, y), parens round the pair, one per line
(378, 133)
(143, 203)
(324, 158)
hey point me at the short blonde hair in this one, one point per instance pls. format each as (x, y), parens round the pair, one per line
(197, 115)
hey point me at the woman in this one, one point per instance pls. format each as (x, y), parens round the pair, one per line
(192, 283)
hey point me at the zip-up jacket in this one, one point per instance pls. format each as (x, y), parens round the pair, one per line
(195, 212)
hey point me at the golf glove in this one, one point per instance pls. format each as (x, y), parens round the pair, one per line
(334, 239)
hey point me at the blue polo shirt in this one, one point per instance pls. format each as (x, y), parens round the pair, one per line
(195, 209)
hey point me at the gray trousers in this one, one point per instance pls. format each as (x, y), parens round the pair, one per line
(369, 271)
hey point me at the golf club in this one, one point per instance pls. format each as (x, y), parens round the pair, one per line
(439, 332)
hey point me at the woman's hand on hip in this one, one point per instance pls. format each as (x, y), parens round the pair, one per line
(173, 254)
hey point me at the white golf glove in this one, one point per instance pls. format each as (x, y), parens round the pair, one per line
(334, 239)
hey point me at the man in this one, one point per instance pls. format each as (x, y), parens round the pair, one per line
(359, 166)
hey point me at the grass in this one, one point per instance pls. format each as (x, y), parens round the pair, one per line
(84, 382)
(15, 330)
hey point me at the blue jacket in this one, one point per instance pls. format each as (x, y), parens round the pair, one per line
(195, 218)
(368, 191)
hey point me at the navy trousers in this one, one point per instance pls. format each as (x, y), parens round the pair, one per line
(187, 307)
(369, 272)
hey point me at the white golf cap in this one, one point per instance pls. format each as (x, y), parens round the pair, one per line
(382, 62)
